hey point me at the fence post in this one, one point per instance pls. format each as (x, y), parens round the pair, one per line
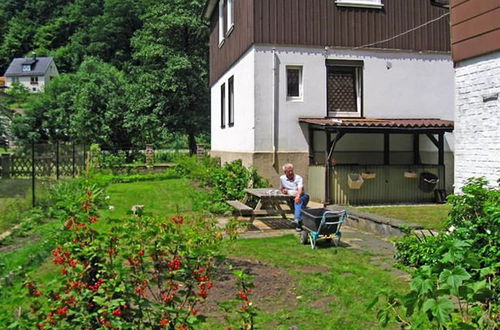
(5, 166)
(33, 174)
(73, 159)
(57, 160)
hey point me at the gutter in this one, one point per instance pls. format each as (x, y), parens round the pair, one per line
(275, 108)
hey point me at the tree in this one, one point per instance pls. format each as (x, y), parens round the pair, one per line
(171, 84)
(88, 106)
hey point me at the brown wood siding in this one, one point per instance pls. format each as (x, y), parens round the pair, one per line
(475, 28)
(323, 23)
(235, 44)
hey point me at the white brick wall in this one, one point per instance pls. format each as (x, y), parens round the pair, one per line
(477, 119)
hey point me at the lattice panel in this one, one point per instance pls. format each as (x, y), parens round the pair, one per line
(342, 90)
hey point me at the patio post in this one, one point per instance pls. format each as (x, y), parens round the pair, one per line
(386, 149)
(327, 168)
(416, 149)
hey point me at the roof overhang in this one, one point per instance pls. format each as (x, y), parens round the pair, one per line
(209, 8)
(371, 125)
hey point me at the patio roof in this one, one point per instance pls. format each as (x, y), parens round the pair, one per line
(372, 125)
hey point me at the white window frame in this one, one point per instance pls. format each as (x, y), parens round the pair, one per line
(26, 68)
(359, 93)
(299, 67)
(230, 16)
(221, 23)
(377, 4)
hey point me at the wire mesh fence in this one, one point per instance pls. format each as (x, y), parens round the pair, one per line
(50, 161)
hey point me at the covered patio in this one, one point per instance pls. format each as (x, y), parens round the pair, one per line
(368, 170)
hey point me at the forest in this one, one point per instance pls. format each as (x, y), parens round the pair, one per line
(132, 72)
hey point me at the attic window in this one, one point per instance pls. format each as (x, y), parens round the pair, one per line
(360, 3)
(26, 67)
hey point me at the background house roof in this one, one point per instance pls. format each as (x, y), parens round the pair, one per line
(39, 68)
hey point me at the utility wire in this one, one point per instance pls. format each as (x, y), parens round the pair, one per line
(403, 33)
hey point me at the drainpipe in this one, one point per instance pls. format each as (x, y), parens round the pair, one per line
(274, 121)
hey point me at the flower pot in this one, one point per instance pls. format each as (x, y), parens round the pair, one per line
(368, 175)
(354, 180)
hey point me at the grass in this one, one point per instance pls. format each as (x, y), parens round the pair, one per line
(428, 216)
(345, 277)
(342, 278)
(15, 198)
(162, 198)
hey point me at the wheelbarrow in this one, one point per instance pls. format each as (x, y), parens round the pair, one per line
(321, 223)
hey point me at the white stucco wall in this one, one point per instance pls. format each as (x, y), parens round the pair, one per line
(477, 120)
(240, 137)
(415, 86)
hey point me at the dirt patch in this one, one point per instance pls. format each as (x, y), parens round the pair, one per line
(274, 289)
(18, 243)
(322, 304)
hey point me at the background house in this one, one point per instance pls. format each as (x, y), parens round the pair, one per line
(32, 73)
(475, 27)
(276, 69)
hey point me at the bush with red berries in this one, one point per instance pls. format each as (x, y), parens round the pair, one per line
(144, 272)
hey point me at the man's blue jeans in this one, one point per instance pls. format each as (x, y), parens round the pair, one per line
(304, 199)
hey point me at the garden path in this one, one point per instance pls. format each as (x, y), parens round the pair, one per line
(380, 248)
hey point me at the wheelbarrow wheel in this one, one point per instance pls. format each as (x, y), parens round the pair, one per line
(304, 237)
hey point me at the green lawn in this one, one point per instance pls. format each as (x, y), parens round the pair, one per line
(334, 285)
(331, 287)
(429, 216)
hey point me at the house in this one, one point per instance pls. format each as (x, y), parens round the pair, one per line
(32, 73)
(475, 44)
(339, 88)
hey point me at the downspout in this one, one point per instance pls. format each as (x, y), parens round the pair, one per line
(274, 122)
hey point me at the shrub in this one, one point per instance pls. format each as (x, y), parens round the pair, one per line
(455, 283)
(147, 273)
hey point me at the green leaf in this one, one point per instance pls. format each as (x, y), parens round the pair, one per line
(441, 310)
(455, 277)
(429, 304)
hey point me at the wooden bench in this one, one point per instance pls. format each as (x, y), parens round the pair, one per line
(241, 209)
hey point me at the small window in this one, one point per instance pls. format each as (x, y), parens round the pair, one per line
(15, 79)
(230, 94)
(344, 88)
(221, 22)
(26, 67)
(34, 80)
(230, 16)
(360, 3)
(294, 82)
(223, 106)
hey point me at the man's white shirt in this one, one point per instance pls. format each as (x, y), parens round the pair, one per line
(292, 185)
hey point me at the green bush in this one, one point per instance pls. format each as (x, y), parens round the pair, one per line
(455, 282)
(227, 182)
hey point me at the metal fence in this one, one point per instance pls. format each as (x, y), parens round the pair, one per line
(43, 161)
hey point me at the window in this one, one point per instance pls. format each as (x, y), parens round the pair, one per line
(230, 95)
(360, 3)
(230, 16)
(344, 88)
(34, 80)
(222, 106)
(26, 67)
(15, 79)
(221, 22)
(294, 82)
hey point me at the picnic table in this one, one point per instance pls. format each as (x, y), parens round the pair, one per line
(269, 202)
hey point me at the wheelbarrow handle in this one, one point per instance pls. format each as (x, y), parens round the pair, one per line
(342, 214)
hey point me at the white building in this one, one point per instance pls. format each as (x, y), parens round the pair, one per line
(32, 73)
(320, 85)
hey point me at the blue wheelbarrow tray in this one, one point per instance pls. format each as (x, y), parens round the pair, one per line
(321, 223)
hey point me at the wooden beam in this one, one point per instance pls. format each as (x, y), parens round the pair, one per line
(416, 149)
(433, 139)
(311, 145)
(441, 149)
(327, 169)
(387, 151)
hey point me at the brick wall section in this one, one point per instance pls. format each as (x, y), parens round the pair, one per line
(477, 119)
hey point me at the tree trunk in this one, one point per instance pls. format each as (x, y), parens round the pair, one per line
(192, 143)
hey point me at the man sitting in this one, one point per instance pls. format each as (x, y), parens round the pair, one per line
(293, 185)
